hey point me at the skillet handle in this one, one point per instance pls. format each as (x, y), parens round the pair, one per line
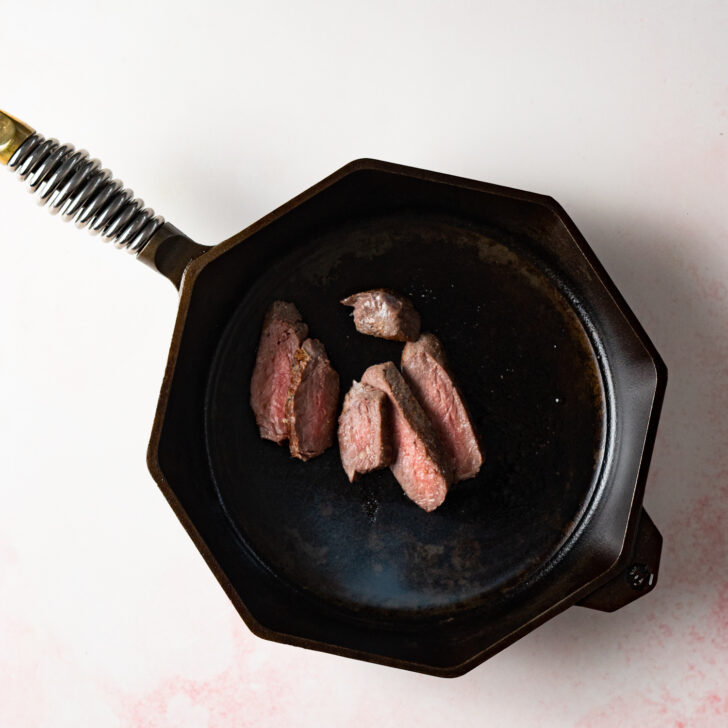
(72, 183)
(639, 576)
(169, 252)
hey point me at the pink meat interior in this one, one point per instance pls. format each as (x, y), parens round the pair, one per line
(363, 443)
(421, 479)
(418, 461)
(315, 406)
(436, 392)
(271, 378)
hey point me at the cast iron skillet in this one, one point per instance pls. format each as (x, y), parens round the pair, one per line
(563, 384)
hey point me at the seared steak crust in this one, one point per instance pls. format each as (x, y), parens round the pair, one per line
(384, 314)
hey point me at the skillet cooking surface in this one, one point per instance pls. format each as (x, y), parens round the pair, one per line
(527, 370)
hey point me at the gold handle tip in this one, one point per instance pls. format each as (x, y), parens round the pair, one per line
(13, 133)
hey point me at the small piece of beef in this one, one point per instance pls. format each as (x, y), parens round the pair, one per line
(420, 465)
(313, 397)
(282, 334)
(384, 314)
(365, 435)
(425, 368)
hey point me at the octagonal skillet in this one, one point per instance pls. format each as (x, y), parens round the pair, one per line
(564, 385)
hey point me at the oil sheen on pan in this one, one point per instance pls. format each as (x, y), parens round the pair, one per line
(525, 365)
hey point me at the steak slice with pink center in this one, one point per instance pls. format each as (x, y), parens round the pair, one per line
(419, 464)
(312, 401)
(365, 433)
(384, 314)
(282, 334)
(426, 370)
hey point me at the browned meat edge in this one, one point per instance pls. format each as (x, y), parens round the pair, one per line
(311, 432)
(385, 314)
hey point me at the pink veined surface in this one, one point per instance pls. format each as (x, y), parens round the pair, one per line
(108, 615)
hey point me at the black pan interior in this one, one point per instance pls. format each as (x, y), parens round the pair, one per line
(527, 368)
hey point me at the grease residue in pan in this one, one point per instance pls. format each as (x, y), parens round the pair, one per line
(528, 370)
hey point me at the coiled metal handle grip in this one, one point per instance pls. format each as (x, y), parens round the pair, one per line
(70, 182)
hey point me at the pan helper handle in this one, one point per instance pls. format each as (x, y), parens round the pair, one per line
(73, 184)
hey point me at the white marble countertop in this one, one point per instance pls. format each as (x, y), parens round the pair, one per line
(216, 113)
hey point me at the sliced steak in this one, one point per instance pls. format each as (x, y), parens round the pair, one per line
(420, 465)
(312, 401)
(282, 334)
(426, 370)
(365, 434)
(384, 314)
